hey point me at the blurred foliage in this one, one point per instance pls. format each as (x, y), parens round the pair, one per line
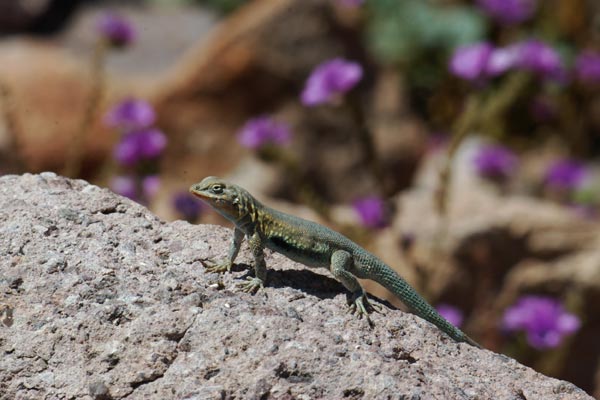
(419, 36)
(221, 6)
(402, 31)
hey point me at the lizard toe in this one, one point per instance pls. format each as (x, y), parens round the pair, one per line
(361, 307)
(218, 267)
(375, 307)
(252, 285)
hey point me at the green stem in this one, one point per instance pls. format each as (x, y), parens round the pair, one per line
(76, 150)
(463, 125)
(496, 106)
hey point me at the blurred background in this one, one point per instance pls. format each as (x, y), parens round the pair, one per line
(458, 140)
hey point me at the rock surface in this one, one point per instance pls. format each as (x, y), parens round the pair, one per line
(109, 302)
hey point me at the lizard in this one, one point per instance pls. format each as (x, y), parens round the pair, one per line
(311, 244)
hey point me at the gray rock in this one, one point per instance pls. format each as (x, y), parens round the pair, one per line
(126, 310)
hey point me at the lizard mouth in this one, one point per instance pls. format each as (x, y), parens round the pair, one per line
(214, 201)
(199, 194)
(206, 199)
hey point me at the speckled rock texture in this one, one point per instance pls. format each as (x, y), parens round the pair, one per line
(109, 302)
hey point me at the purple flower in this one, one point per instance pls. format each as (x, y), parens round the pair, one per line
(115, 29)
(330, 79)
(470, 62)
(124, 186)
(480, 60)
(544, 320)
(495, 162)
(187, 206)
(371, 211)
(130, 114)
(508, 12)
(262, 131)
(587, 67)
(503, 59)
(538, 57)
(140, 145)
(565, 174)
(150, 186)
(451, 313)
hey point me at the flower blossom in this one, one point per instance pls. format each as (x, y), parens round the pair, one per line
(261, 131)
(470, 62)
(495, 162)
(479, 61)
(371, 211)
(565, 174)
(140, 145)
(587, 67)
(115, 29)
(124, 186)
(508, 12)
(451, 314)
(503, 59)
(128, 186)
(543, 319)
(130, 114)
(150, 186)
(187, 206)
(538, 57)
(329, 80)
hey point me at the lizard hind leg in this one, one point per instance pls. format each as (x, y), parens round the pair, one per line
(341, 265)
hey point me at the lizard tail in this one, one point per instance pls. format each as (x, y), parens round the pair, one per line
(393, 282)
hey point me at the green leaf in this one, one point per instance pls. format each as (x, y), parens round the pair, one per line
(401, 30)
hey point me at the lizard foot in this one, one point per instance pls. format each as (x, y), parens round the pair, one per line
(252, 285)
(362, 307)
(218, 267)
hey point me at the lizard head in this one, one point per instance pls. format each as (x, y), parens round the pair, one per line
(224, 197)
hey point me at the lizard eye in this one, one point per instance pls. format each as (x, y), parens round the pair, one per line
(217, 189)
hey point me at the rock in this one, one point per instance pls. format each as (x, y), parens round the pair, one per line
(129, 312)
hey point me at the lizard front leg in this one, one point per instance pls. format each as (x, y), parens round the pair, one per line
(234, 249)
(341, 265)
(260, 268)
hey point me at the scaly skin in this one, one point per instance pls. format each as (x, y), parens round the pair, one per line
(311, 244)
